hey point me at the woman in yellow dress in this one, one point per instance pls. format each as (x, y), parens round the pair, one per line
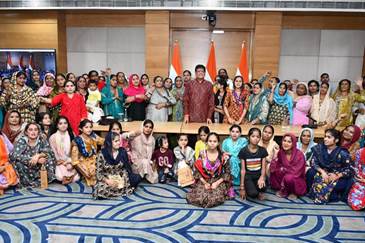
(345, 99)
(84, 151)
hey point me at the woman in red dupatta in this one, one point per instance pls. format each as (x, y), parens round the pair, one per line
(136, 99)
(349, 139)
(287, 170)
(12, 125)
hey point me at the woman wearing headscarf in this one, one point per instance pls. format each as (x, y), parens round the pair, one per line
(349, 139)
(345, 99)
(258, 109)
(287, 170)
(21, 98)
(114, 176)
(136, 99)
(30, 153)
(12, 125)
(112, 98)
(45, 90)
(143, 146)
(305, 144)
(356, 198)
(8, 175)
(178, 93)
(329, 178)
(302, 105)
(281, 111)
(323, 109)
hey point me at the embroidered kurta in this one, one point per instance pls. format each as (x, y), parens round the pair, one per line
(29, 175)
(235, 105)
(84, 155)
(158, 97)
(356, 198)
(344, 106)
(73, 108)
(211, 173)
(24, 100)
(337, 161)
(199, 101)
(105, 170)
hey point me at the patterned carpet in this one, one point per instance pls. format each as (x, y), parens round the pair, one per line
(159, 213)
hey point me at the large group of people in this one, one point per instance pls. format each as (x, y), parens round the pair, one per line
(47, 129)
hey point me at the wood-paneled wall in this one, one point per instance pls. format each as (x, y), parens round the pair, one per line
(305, 20)
(104, 19)
(157, 34)
(267, 43)
(34, 30)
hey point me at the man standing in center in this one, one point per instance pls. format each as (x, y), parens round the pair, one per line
(198, 98)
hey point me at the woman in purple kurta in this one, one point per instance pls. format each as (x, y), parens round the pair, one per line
(287, 170)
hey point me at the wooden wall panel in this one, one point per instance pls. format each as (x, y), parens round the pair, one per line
(323, 21)
(34, 30)
(194, 46)
(100, 19)
(157, 34)
(225, 20)
(62, 43)
(267, 43)
(28, 17)
(28, 36)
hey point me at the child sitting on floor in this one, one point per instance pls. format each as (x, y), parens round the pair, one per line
(184, 161)
(163, 158)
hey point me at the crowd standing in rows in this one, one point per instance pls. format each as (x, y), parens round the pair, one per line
(47, 125)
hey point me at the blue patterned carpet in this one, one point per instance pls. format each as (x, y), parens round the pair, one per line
(159, 213)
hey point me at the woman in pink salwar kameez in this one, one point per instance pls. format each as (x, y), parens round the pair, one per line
(302, 105)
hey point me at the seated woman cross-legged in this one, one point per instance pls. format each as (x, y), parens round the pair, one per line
(114, 176)
(212, 177)
(30, 153)
(329, 179)
(287, 169)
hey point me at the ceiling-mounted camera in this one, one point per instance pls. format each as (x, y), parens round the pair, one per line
(211, 18)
